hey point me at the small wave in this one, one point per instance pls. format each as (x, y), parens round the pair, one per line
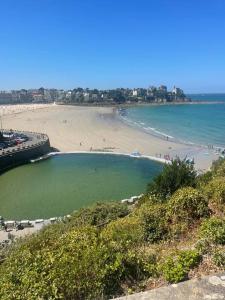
(159, 132)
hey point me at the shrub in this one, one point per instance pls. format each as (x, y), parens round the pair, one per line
(99, 214)
(139, 265)
(204, 246)
(215, 192)
(219, 257)
(76, 266)
(180, 173)
(213, 230)
(153, 223)
(186, 205)
(125, 231)
(204, 178)
(148, 199)
(218, 167)
(175, 267)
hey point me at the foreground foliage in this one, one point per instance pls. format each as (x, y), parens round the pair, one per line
(175, 267)
(111, 249)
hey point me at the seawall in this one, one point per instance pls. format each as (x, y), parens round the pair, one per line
(23, 153)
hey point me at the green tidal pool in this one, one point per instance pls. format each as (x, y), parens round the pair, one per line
(64, 183)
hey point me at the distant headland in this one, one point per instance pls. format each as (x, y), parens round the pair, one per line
(95, 96)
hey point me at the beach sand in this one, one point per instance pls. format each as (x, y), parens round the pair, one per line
(77, 128)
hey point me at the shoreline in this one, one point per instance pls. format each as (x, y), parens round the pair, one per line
(153, 158)
(162, 135)
(81, 128)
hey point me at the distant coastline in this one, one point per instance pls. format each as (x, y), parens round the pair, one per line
(96, 96)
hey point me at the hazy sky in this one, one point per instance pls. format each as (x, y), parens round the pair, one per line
(113, 43)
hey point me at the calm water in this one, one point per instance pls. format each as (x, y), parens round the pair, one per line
(200, 124)
(58, 186)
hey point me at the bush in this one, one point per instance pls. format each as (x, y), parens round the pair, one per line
(219, 257)
(139, 265)
(215, 192)
(99, 214)
(76, 266)
(53, 273)
(204, 246)
(175, 268)
(125, 231)
(213, 230)
(187, 205)
(153, 223)
(180, 173)
(148, 199)
(218, 167)
(204, 178)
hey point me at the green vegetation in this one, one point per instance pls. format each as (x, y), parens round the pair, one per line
(215, 192)
(175, 268)
(179, 173)
(100, 214)
(188, 205)
(111, 249)
(153, 222)
(219, 257)
(96, 96)
(213, 230)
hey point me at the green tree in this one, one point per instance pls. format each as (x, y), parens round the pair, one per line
(180, 173)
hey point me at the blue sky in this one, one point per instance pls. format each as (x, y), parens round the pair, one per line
(113, 43)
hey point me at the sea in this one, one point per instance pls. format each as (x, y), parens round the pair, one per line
(201, 124)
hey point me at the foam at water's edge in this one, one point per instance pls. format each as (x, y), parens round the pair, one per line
(153, 158)
(157, 133)
(153, 131)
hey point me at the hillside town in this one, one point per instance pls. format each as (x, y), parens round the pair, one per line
(94, 96)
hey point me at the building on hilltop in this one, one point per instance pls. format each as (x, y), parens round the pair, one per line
(177, 91)
(163, 88)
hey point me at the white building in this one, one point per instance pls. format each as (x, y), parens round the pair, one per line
(86, 97)
(135, 93)
(177, 91)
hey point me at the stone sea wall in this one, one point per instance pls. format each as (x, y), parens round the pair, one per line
(21, 154)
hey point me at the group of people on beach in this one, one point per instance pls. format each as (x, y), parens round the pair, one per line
(166, 156)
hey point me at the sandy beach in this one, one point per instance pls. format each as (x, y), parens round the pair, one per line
(76, 128)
